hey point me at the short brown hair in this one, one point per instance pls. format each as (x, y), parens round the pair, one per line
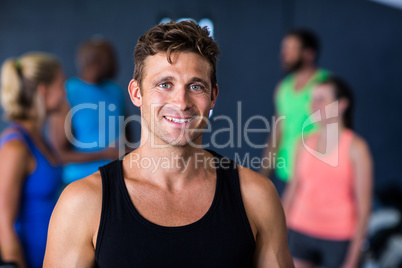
(184, 36)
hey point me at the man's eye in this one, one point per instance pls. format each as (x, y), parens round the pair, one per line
(164, 85)
(195, 87)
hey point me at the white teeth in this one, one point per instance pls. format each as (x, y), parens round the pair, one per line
(176, 120)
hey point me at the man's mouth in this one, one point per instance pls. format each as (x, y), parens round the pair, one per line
(179, 120)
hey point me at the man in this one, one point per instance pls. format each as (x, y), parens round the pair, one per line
(299, 53)
(91, 95)
(170, 203)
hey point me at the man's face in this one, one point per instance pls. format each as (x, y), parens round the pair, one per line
(176, 98)
(291, 54)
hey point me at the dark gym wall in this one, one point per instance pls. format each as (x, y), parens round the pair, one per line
(361, 41)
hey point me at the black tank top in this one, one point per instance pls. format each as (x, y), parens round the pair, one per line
(221, 238)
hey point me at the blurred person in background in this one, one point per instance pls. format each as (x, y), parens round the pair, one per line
(328, 202)
(292, 98)
(32, 88)
(93, 108)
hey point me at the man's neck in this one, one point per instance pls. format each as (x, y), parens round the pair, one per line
(303, 76)
(306, 71)
(88, 77)
(171, 167)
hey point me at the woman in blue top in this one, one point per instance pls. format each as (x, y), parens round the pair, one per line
(32, 87)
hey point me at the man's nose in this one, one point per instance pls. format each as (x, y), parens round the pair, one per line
(181, 99)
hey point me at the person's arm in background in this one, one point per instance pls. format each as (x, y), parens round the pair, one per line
(291, 189)
(63, 147)
(14, 161)
(363, 180)
(273, 142)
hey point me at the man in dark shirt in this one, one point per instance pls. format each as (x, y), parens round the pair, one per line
(170, 203)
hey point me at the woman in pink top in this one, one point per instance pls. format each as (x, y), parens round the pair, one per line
(328, 202)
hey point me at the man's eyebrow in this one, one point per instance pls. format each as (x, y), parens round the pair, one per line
(171, 78)
(197, 79)
(163, 79)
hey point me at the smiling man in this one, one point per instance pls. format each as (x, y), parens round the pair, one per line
(198, 209)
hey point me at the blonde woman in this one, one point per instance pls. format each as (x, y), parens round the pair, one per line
(32, 88)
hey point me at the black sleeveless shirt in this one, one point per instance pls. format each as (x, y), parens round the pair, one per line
(221, 238)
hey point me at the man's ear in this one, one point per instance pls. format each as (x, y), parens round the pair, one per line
(135, 93)
(214, 95)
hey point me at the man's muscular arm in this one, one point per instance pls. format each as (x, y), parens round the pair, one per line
(74, 225)
(265, 213)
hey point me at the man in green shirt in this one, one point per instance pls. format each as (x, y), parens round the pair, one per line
(299, 52)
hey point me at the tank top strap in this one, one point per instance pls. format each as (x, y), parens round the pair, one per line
(286, 86)
(12, 136)
(25, 135)
(319, 76)
(226, 169)
(348, 136)
(109, 173)
(346, 141)
(32, 147)
(228, 173)
(20, 134)
(109, 185)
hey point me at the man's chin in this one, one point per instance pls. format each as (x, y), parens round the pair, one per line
(182, 142)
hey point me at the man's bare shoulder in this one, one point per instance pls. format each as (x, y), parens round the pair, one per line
(74, 224)
(257, 187)
(84, 194)
(267, 220)
(260, 198)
